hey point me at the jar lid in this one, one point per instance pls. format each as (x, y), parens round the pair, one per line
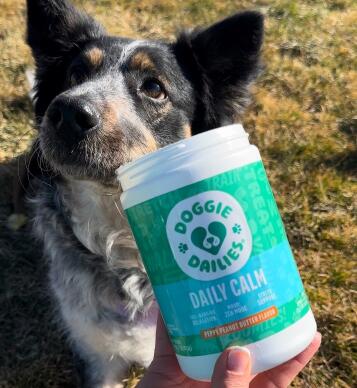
(157, 162)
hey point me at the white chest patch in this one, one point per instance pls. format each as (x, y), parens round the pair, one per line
(98, 221)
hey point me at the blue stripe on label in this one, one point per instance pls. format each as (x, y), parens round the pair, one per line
(270, 278)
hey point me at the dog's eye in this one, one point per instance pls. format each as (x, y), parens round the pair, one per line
(153, 89)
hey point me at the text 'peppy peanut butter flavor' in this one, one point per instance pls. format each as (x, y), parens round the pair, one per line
(214, 247)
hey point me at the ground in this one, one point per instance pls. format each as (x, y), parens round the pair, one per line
(302, 119)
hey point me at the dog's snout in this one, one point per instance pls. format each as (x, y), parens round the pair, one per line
(75, 115)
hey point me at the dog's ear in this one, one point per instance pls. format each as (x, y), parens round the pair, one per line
(56, 30)
(221, 61)
(55, 27)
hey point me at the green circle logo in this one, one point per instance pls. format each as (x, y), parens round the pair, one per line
(209, 235)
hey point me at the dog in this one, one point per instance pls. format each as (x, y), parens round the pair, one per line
(100, 102)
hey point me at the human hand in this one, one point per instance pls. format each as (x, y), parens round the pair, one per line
(232, 370)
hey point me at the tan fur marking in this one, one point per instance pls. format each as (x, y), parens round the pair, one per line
(110, 115)
(111, 112)
(142, 149)
(148, 144)
(187, 131)
(142, 61)
(95, 56)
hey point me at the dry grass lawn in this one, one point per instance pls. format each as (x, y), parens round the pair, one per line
(304, 121)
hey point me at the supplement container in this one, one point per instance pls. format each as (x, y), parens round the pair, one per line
(214, 247)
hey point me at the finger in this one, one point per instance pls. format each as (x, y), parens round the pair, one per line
(283, 375)
(232, 369)
(163, 345)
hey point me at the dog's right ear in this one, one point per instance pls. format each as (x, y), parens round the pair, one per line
(56, 30)
(55, 27)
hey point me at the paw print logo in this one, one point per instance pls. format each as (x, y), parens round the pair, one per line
(183, 248)
(236, 229)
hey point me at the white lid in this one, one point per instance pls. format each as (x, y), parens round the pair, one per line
(160, 161)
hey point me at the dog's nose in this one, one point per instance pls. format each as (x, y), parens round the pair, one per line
(75, 115)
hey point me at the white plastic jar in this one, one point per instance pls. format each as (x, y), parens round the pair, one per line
(213, 244)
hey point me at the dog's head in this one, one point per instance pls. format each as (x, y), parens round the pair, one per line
(102, 101)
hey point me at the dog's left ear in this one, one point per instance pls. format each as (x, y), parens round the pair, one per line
(221, 61)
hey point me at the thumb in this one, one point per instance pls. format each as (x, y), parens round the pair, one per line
(232, 369)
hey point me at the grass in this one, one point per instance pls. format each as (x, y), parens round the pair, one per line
(303, 120)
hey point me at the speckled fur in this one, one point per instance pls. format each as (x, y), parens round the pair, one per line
(95, 269)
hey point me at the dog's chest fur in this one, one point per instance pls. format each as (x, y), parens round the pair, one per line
(97, 220)
(96, 271)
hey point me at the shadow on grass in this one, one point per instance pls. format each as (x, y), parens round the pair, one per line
(33, 351)
(344, 162)
(347, 162)
(20, 106)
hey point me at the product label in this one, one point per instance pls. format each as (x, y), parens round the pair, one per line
(219, 261)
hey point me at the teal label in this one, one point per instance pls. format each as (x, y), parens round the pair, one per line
(219, 261)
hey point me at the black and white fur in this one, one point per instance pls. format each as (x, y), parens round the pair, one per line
(125, 98)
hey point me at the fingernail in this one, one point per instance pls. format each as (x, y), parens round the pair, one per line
(317, 337)
(238, 360)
